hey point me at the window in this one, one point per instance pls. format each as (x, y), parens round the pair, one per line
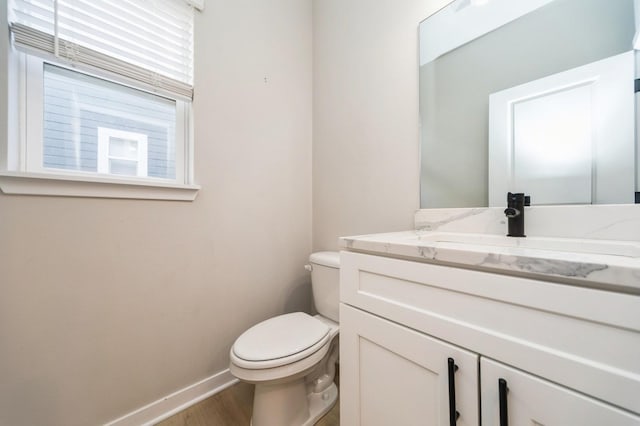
(122, 153)
(81, 113)
(105, 96)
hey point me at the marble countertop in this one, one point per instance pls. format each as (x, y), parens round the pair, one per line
(617, 272)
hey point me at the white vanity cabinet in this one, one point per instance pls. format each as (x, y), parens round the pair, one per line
(529, 400)
(396, 376)
(568, 355)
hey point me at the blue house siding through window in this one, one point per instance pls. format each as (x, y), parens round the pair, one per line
(76, 105)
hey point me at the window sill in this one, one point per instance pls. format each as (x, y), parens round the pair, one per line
(72, 186)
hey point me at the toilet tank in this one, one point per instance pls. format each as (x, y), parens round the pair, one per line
(325, 282)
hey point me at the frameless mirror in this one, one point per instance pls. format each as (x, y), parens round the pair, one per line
(533, 96)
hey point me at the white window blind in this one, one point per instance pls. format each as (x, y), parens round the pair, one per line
(150, 41)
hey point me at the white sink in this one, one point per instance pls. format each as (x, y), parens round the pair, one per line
(604, 247)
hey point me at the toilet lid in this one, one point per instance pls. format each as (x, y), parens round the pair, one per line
(326, 258)
(281, 337)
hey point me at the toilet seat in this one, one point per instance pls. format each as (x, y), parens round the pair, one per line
(280, 341)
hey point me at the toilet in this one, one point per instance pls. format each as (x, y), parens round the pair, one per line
(291, 358)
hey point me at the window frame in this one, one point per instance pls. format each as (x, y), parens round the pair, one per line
(105, 134)
(21, 170)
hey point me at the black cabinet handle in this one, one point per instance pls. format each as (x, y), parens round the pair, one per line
(502, 395)
(453, 414)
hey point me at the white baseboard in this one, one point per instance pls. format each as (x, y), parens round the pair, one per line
(171, 404)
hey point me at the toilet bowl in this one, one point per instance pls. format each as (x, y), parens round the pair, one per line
(291, 358)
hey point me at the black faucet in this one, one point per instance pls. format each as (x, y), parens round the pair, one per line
(515, 213)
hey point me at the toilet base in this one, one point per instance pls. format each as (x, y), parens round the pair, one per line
(309, 407)
(320, 403)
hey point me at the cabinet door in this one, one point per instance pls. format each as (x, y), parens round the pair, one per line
(531, 401)
(393, 375)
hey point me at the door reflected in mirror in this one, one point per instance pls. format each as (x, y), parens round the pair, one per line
(532, 96)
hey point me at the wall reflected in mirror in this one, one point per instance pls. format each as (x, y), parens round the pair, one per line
(532, 96)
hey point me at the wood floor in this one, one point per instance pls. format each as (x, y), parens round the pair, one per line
(232, 407)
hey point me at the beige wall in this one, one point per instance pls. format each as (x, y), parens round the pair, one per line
(107, 305)
(366, 128)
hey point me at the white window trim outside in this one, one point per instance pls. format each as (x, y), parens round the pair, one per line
(104, 155)
(21, 170)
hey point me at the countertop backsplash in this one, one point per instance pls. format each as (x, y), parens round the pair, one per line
(602, 222)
